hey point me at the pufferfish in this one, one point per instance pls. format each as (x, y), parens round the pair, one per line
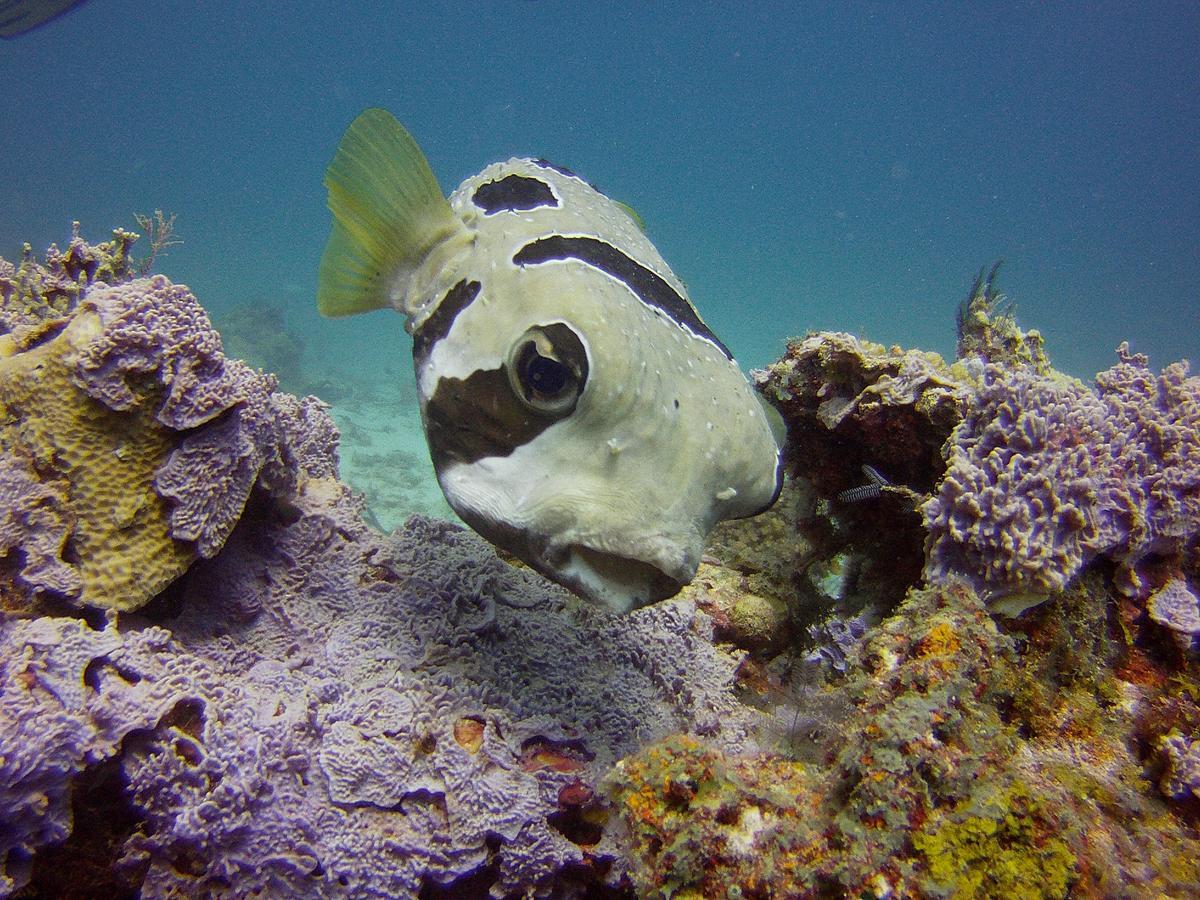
(578, 411)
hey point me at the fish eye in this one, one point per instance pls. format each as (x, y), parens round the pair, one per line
(547, 369)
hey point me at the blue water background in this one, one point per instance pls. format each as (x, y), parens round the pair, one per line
(802, 166)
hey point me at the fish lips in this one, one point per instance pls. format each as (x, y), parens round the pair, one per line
(617, 574)
(623, 577)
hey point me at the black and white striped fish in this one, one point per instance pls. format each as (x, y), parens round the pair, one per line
(579, 413)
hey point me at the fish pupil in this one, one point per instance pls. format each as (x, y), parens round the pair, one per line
(547, 376)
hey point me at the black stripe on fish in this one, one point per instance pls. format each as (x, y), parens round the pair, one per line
(646, 285)
(513, 192)
(437, 326)
(468, 419)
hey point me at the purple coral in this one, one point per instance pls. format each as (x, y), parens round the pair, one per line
(210, 474)
(270, 439)
(1043, 475)
(1181, 778)
(1150, 497)
(155, 329)
(35, 523)
(47, 736)
(1175, 606)
(1017, 506)
(295, 732)
(834, 640)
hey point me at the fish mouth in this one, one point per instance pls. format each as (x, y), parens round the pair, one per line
(619, 582)
(614, 573)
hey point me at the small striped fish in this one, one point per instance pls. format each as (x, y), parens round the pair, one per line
(578, 411)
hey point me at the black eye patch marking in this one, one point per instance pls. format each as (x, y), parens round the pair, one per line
(647, 286)
(513, 192)
(437, 326)
(468, 419)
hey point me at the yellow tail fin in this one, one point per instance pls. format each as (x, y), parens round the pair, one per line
(388, 213)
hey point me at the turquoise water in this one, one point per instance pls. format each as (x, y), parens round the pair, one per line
(801, 166)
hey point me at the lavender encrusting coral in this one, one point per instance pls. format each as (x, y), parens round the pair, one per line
(1150, 496)
(1044, 474)
(834, 640)
(34, 520)
(152, 328)
(1017, 507)
(297, 723)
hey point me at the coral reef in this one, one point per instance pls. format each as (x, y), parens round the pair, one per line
(849, 403)
(962, 770)
(1020, 476)
(136, 440)
(1181, 754)
(988, 332)
(1177, 607)
(217, 680)
(310, 706)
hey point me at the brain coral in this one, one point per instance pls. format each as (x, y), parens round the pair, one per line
(101, 463)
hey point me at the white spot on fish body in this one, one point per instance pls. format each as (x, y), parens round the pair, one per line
(727, 494)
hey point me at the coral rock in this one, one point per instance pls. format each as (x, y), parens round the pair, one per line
(849, 401)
